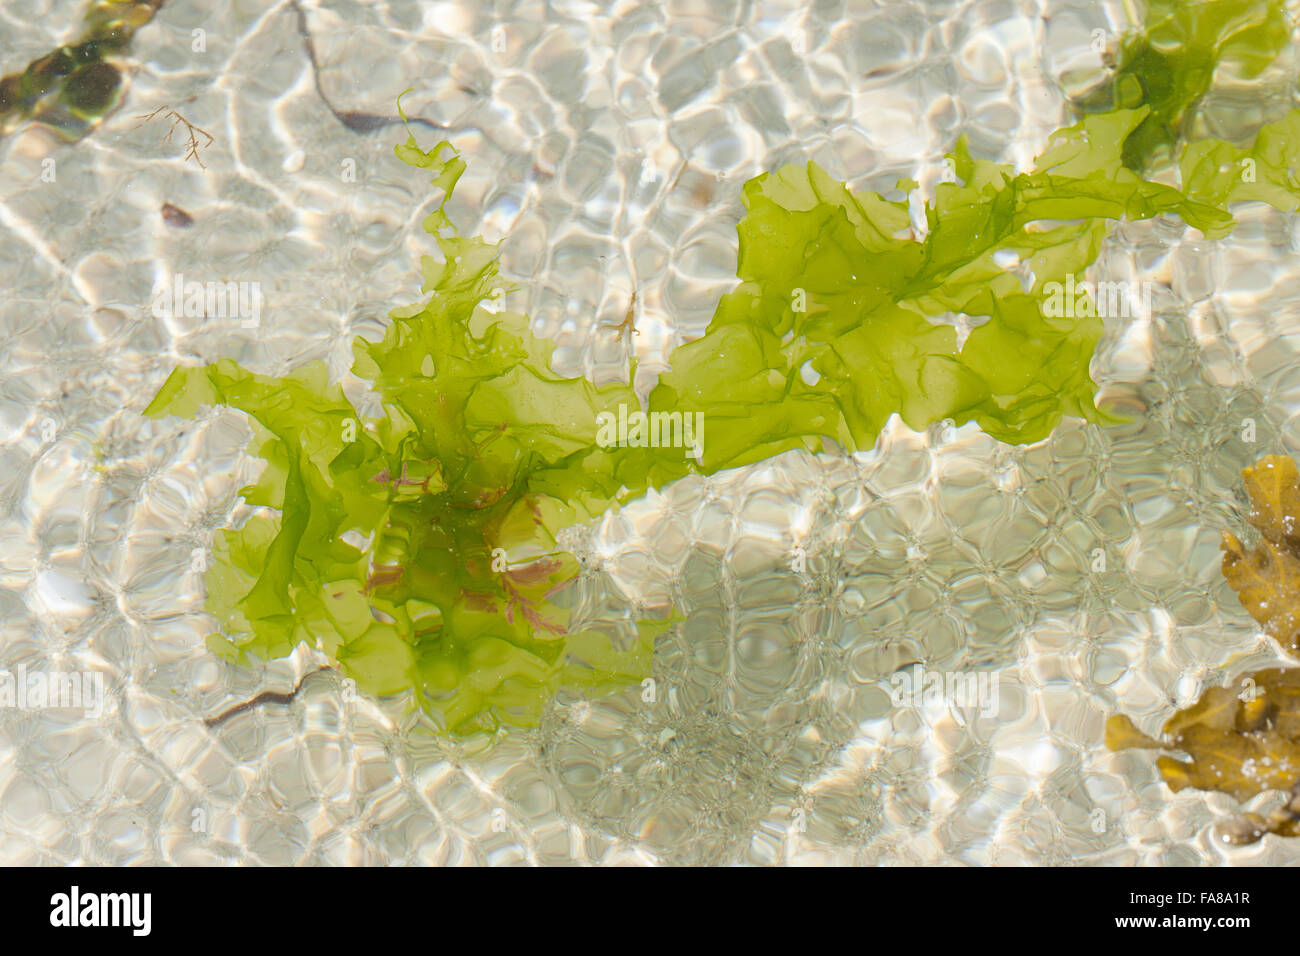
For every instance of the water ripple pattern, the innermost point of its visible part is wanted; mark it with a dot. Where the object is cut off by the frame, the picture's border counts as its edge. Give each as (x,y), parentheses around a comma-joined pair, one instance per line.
(607,144)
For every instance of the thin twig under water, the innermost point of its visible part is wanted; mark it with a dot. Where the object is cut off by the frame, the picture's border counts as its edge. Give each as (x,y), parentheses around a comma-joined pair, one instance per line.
(192,152)
(266,697)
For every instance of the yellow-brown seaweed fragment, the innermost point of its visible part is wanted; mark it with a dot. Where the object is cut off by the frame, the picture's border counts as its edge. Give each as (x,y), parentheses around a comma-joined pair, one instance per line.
(1244,739)
(1267,579)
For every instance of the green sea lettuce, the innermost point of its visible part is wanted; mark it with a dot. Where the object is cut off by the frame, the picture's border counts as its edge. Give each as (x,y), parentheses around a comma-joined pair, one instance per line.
(418,549)
(1220,173)
(838,321)
(1170,63)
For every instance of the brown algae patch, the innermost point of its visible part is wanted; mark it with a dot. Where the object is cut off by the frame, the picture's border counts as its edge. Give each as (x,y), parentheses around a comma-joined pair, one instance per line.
(1244,739)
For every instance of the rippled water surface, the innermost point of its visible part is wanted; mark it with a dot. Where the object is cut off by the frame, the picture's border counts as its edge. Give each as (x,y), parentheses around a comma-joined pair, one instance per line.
(607,145)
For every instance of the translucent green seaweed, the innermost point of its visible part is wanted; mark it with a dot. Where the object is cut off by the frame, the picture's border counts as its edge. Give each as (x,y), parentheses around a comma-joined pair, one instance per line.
(1170,63)
(870,298)
(453,592)
(1220,173)
(418,550)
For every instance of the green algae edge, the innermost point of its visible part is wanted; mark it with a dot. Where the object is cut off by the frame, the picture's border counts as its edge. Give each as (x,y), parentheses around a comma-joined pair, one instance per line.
(418,550)
(1169,64)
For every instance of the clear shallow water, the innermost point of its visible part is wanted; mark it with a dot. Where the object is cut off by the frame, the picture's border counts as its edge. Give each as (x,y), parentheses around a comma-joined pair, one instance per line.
(622,132)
